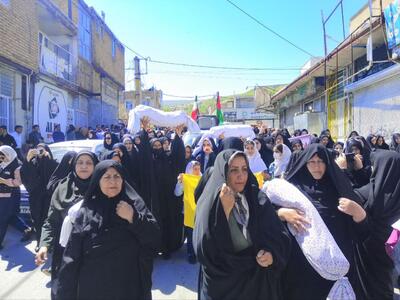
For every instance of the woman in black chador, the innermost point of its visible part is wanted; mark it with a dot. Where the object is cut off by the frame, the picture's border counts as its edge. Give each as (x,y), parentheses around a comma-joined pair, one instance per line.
(381,197)
(113,241)
(69,191)
(36,171)
(318,177)
(240,242)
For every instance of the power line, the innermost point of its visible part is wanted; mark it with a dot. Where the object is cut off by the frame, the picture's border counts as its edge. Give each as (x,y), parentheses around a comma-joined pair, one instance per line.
(148,59)
(269,29)
(188,97)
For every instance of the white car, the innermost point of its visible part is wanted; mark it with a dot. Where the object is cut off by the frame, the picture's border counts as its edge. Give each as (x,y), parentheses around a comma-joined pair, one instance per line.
(59,149)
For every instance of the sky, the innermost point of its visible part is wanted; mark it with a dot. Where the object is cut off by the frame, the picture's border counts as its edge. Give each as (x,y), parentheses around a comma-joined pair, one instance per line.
(213,32)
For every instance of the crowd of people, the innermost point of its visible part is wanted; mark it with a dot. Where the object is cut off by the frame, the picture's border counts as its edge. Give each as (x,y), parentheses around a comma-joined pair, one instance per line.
(105,218)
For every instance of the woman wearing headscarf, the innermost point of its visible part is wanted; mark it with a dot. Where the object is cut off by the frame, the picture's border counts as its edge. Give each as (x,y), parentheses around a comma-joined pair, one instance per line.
(9,182)
(92,135)
(371,140)
(297,145)
(230,143)
(126,162)
(188,154)
(282,156)
(395,144)
(113,242)
(134,157)
(381,201)
(267,154)
(108,142)
(36,171)
(317,176)
(356,162)
(327,133)
(206,157)
(164,168)
(256,163)
(69,191)
(380,143)
(281,138)
(62,170)
(240,243)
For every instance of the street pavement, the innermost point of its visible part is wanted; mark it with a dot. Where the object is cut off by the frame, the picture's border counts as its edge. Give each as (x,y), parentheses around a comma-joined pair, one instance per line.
(173,279)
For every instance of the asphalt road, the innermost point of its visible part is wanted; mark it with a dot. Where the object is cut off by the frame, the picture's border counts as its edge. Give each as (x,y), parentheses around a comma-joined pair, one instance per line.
(21,279)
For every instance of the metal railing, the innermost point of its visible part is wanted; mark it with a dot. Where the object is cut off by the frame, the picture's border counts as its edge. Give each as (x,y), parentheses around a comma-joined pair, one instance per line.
(55,60)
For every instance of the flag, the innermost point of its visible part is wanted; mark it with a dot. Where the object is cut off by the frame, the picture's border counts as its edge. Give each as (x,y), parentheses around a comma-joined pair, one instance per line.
(195,110)
(219,111)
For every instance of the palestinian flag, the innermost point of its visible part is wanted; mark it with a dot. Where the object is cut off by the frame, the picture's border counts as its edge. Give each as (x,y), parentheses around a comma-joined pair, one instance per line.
(220,115)
(195,110)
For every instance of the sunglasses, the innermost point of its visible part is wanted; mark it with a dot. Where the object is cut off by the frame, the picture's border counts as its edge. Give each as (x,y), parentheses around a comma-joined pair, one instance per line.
(108,138)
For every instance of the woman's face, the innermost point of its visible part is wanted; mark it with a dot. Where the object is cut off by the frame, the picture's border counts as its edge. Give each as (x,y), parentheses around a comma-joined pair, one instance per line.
(196,170)
(380,141)
(188,152)
(119,152)
(277,154)
(157,145)
(250,149)
(324,141)
(237,174)
(304,132)
(355,150)
(339,148)
(207,147)
(84,167)
(111,183)
(373,140)
(317,167)
(296,147)
(108,139)
(278,140)
(137,140)
(258,144)
(166,146)
(397,140)
(128,144)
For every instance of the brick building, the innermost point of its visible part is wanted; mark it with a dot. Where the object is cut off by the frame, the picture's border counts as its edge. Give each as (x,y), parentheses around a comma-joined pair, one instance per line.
(59,64)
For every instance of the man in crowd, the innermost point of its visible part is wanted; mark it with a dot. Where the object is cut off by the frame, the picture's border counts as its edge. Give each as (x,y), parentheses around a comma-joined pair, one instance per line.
(6,138)
(35,137)
(17,135)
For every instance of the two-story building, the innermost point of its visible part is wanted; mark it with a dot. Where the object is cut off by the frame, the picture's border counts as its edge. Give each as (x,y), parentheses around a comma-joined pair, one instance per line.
(64,64)
(335,92)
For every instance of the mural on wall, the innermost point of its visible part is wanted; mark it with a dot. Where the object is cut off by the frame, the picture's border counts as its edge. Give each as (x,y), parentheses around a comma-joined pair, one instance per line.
(50,109)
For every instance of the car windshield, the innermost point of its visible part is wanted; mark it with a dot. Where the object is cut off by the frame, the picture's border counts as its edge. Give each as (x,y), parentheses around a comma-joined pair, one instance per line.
(190,137)
(58,152)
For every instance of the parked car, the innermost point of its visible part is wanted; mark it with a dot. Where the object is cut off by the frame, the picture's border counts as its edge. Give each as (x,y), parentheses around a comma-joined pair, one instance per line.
(59,149)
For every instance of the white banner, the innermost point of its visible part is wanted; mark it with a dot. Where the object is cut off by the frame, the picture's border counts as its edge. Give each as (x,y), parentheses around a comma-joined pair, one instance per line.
(50,109)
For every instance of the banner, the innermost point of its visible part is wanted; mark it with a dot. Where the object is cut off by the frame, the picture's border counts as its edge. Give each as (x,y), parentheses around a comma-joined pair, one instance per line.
(50,109)
(392,12)
(305,139)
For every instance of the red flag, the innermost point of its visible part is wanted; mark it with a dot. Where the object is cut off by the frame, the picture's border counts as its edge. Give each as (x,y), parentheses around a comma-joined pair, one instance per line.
(195,110)
(219,111)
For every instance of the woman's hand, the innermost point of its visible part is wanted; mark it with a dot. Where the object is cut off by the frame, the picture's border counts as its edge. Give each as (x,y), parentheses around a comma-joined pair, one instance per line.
(353,209)
(125,211)
(180,178)
(295,218)
(264,258)
(227,197)
(31,154)
(145,123)
(341,162)
(358,162)
(41,256)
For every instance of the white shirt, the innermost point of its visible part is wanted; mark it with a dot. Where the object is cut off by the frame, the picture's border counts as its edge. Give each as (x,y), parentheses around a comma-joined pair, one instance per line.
(18,138)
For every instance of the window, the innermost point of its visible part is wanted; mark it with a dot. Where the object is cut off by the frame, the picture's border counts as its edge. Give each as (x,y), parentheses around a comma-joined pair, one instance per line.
(309,106)
(85,36)
(113,48)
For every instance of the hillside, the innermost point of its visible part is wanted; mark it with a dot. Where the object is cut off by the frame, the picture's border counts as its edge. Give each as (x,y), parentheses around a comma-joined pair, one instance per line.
(206,103)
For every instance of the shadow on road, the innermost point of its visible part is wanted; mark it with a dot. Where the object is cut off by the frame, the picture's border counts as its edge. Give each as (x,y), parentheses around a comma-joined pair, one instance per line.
(169,274)
(17,255)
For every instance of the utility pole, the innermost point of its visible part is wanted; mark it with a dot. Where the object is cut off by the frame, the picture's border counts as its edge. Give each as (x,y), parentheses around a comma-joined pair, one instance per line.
(138,84)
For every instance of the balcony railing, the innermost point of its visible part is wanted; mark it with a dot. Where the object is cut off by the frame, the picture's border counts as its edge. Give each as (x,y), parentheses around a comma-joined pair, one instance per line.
(55,60)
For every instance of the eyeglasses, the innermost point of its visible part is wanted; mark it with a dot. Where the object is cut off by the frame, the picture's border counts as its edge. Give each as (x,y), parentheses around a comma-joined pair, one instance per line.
(108,138)
(115,177)
(314,163)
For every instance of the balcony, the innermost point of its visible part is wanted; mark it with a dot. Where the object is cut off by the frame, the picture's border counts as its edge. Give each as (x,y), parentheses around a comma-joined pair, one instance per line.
(56,60)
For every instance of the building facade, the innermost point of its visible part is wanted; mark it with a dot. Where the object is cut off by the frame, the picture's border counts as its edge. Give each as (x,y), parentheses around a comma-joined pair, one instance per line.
(354,88)
(65,65)
(150,97)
